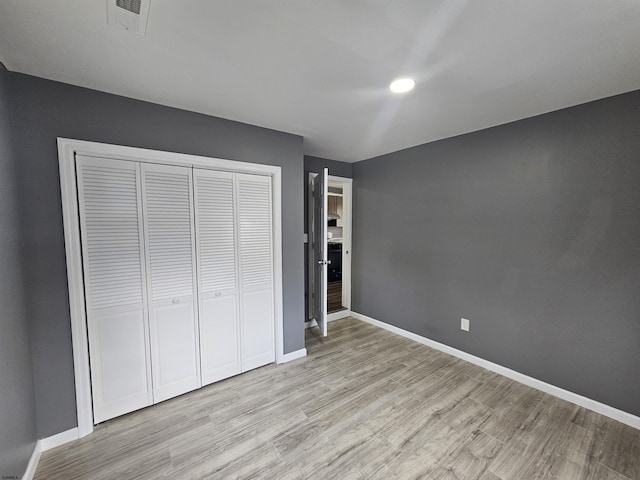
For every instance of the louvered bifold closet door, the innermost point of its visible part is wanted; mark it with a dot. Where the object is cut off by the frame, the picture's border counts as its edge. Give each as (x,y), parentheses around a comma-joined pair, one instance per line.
(217,275)
(169,233)
(256,270)
(109,198)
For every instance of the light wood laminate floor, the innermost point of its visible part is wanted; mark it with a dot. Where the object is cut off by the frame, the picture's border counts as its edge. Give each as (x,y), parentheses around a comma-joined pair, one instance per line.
(364,404)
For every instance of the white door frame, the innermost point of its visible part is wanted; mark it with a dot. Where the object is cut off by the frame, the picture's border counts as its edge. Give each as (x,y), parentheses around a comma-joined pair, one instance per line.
(67,149)
(347,237)
(347,233)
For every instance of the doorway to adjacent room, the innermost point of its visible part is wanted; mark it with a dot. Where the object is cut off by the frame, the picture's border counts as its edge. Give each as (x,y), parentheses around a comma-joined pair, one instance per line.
(330,234)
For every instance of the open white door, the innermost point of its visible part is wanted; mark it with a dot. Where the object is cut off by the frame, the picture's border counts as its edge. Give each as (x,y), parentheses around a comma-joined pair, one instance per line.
(319,249)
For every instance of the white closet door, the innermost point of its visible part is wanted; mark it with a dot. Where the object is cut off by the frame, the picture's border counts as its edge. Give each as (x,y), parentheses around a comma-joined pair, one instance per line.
(167,202)
(113,257)
(217,275)
(256,270)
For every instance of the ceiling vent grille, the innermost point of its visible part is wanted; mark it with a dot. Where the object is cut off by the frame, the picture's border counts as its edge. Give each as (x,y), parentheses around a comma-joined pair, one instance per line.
(132,6)
(131,15)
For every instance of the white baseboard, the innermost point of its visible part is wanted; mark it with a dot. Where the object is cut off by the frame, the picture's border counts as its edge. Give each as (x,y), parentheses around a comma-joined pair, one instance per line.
(59,439)
(291,356)
(601,408)
(45,444)
(33,462)
(332,317)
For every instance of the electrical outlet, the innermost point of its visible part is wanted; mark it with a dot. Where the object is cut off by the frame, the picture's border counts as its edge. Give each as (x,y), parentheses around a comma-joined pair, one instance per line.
(464,324)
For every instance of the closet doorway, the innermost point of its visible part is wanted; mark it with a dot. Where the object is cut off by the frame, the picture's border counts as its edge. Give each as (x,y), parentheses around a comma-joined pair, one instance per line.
(126,168)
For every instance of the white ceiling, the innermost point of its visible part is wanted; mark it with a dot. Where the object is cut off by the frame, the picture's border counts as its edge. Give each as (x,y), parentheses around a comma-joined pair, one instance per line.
(321,68)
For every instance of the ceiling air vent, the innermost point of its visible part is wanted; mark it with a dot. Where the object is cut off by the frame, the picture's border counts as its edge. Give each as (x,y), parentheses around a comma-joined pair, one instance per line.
(130,15)
(132,6)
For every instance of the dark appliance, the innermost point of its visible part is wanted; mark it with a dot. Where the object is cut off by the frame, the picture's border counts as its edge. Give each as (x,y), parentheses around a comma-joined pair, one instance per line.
(334,269)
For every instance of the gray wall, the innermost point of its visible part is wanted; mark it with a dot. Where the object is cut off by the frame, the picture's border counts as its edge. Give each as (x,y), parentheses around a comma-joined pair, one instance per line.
(315,165)
(531,230)
(45,110)
(17,407)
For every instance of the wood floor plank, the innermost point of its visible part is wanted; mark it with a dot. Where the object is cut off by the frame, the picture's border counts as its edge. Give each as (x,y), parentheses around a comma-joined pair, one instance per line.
(364,404)
(603,473)
(622,450)
(469,460)
(507,421)
(533,447)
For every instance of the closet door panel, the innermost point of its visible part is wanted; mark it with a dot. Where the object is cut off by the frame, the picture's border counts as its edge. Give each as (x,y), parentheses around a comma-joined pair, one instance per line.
(113,259)
(258,328)
(256,270)
(219,333)
(120,357)
(167,201)
(217,275)
(172,349)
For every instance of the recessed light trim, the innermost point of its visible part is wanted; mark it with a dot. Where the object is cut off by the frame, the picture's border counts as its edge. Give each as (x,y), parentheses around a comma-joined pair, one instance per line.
(402,85)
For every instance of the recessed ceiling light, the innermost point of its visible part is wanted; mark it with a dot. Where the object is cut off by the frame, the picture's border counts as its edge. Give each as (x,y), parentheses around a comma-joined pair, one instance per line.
(402,85)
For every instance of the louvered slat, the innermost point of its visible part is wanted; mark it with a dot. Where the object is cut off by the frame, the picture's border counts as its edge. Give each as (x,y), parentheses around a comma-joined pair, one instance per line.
(111,221)
(216,237)
(168,216)
(254,212)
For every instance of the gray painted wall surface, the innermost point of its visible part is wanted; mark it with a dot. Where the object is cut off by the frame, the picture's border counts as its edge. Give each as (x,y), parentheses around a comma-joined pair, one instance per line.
(315,165)
(17,406)
(531,230)
(45,110)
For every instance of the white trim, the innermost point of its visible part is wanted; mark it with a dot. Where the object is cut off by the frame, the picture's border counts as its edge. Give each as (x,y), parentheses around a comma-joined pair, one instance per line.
(45,444)
(30,472)
(601,408)
(67,149)
(347,232)
(276,189)
(333,178)
(59,439)
(75,281)
(92,149)
(291,356)
(332,317)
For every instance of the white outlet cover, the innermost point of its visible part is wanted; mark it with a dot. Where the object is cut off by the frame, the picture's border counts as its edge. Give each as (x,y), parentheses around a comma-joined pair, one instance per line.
(464,324)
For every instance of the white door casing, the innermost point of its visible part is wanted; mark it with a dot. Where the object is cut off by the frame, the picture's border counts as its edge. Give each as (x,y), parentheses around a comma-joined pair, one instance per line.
(68,149)
(347,204)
